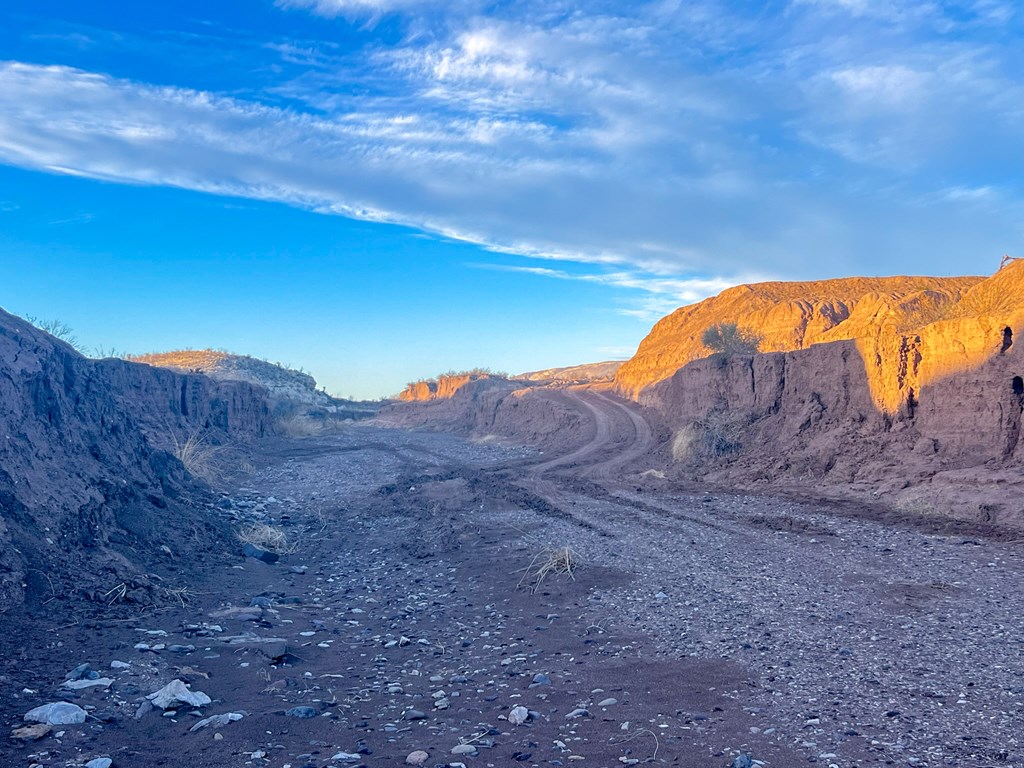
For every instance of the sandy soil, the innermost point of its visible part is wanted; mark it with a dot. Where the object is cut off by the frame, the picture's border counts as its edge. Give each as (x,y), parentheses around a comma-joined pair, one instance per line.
(409,618)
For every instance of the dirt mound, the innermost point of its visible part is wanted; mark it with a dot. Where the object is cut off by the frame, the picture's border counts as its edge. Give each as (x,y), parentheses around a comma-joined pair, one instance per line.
(792,316)
(448,385)
(88,499)
(587,373)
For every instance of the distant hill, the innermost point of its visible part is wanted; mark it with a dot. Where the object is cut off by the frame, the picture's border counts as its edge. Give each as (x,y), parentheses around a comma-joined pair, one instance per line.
(575,374)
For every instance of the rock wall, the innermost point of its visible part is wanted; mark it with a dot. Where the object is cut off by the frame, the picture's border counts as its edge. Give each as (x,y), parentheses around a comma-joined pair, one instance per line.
(444,387)
(86,500)
(790,316)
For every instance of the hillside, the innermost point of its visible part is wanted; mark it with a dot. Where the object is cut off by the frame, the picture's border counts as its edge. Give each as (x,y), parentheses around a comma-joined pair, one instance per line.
(575,374)
(792,316)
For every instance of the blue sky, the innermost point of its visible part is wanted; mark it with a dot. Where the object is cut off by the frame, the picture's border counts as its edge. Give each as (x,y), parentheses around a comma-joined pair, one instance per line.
(378,190)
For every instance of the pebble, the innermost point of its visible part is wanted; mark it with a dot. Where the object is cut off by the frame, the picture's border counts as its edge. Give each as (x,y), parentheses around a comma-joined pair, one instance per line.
(609,702)
(415,714)
(419,757)
(301,712)
(518,715)
(100,762)
(577,713)
(177,691)
(464,749)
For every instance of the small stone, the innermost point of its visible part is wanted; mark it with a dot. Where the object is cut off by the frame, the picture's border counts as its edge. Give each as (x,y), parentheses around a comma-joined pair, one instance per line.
(419,757)
(541,679)
(415,714)
(303,713)
(347,756)
(577,713)
(120,665)
(518,715)
(464,749)
(181,648)
(78,672)
(57,713)
(177,691)
(100,762)
(31,732)
(743,761)
(262,555)
(78,685)
(217,721)
(609,702)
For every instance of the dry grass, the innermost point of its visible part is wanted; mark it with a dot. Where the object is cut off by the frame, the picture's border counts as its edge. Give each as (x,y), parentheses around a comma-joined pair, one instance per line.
(267,537)
(299,425)
(197,455)
(552,561)
(683,442)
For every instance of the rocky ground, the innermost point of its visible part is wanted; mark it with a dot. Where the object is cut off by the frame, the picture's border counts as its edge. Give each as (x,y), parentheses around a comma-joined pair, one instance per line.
(411,623)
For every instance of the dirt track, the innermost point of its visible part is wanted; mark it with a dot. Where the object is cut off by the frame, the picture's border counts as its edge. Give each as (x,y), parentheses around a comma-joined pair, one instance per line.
(721,624)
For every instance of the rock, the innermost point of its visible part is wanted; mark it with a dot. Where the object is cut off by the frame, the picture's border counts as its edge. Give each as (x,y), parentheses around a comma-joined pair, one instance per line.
(57,713)
(78,672)
(262,555)
(577,713)
(541,679)
(347,756)
(144,709)
(518,715)
(78,685)
(181,648)
(415,714)
(609,702)
(31,732)
(419,757)
(177,691)
(743,761)
(303,713)
(120,665)
(217,721)
(464,749)
(100,762)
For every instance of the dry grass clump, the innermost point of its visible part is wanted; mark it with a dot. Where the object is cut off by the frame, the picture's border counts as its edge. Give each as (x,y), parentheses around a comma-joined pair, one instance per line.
(196,455)
(299,425)
(683,442)
(551,561)
(267,537)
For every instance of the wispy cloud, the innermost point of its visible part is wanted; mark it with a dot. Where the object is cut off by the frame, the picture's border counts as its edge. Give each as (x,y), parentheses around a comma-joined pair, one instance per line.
(657,139)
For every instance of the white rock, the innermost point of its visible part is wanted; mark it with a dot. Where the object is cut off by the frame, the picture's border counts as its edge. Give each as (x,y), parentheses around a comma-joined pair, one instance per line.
(217,721)
(100,762)
(57,713)
(177,691)
(346,756)
(518,715)
(78,685)
(419,757)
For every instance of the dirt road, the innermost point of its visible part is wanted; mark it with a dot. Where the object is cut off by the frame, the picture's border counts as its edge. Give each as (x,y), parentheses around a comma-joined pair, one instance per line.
(701,627)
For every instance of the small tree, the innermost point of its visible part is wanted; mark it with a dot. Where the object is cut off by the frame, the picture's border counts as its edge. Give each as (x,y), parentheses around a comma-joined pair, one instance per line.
(727,339)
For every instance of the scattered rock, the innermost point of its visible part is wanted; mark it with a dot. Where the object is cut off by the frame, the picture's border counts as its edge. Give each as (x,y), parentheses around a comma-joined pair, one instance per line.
(415,714)
(419,757)
(262,555)
(743,761)
(464,749)
(609,702)
(31,732)
(78,685)
(175,692)
(518,715)
(580,712)
(57,713)
(216,721)
(100,762)
(303,713)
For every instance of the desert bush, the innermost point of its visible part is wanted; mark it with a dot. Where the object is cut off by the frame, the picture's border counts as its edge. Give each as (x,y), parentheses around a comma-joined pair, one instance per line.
(299,425)
(709,438)
(59,330)
(548,562)
(728,339)
(267,537)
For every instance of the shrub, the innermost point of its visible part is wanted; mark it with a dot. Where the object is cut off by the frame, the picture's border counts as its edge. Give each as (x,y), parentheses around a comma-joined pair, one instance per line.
(727,339)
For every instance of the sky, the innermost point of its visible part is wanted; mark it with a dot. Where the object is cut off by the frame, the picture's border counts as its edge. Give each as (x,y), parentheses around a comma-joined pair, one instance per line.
(380,190)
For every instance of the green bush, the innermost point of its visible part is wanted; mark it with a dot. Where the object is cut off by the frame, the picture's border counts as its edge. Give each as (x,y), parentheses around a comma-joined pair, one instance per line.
(727,339)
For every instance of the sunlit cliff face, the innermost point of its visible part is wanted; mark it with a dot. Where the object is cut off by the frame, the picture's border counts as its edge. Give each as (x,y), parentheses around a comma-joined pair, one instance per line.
(911,332)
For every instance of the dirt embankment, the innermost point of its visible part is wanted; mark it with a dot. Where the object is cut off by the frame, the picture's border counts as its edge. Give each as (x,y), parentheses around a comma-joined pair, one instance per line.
(88,497)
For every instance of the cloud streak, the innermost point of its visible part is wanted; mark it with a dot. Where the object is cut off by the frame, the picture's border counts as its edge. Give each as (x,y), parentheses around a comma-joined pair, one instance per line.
(659,139)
